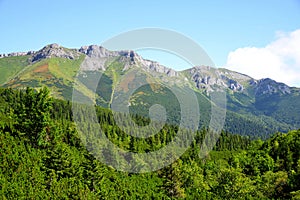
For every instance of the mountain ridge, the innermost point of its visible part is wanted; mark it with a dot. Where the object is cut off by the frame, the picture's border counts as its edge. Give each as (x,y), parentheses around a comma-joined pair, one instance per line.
(96,51)
(270,105)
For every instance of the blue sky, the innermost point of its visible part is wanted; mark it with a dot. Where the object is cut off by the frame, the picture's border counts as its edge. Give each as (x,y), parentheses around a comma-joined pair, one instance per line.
(222,28)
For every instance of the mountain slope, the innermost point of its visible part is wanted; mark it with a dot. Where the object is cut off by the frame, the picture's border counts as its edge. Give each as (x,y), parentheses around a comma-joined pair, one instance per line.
(254,107)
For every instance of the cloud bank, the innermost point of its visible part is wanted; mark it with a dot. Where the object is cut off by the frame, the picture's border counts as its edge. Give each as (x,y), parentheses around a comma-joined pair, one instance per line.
(279,60)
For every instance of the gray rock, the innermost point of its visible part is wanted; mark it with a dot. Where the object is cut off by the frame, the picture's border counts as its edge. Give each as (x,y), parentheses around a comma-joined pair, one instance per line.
(16,54)
(269,86)
(131,59)
(95,51)
(54,50)
(211,79)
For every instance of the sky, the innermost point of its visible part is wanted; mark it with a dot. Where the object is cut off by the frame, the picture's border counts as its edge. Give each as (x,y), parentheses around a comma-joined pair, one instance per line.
(258,38)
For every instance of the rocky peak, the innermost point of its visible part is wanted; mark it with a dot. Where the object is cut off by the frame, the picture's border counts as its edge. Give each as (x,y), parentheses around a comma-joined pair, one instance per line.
(234,85)
(54,50)
(156,67)
(209,78)
(95,51)
(131,58)
(206,77)
(269,86)
(98,55)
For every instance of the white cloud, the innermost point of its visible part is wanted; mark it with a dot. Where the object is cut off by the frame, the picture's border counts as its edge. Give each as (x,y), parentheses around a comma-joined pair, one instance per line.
(279,60)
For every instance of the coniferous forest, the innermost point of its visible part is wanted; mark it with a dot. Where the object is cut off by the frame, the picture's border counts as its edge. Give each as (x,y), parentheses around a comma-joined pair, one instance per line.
(42,156)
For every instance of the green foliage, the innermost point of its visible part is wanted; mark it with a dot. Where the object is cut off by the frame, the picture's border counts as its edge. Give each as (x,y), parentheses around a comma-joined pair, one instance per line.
(56,73)
(11,66)
(283,108)
(247,113)
(31,112)
(43,156)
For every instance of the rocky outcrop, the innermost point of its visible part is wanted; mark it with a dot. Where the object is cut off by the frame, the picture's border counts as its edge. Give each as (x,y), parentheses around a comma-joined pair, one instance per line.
(205,78)
(210,79)
(95,51)
(98,55)
(234,85)
(269,86)
(17,54)
(131,58)
(54,50)
(156,67)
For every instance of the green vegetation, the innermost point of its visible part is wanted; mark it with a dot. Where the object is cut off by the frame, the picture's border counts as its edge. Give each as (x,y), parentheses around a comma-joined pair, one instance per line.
(42,156)
(11,66)
(283,108)
(56,73)
(247,113)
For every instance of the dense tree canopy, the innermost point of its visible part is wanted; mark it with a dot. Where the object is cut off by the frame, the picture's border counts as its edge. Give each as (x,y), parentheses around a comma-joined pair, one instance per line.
(42,155)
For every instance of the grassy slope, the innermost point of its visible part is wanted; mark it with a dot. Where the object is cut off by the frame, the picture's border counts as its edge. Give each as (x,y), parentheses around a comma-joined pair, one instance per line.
(11,66)
(66,70)
(56,73)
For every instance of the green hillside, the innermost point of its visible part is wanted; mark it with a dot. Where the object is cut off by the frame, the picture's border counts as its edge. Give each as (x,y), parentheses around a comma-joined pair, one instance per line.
(252,108)
(56,73)
(43,156)
(10,67)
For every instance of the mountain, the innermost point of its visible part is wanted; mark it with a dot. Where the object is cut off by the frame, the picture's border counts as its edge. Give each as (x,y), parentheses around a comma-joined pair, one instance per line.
(254,107)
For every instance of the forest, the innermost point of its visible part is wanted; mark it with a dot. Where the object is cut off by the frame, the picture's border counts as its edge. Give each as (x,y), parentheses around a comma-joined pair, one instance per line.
(43,156)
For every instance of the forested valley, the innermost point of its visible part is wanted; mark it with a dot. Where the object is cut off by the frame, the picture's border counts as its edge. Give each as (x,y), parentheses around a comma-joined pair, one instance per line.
(42,156)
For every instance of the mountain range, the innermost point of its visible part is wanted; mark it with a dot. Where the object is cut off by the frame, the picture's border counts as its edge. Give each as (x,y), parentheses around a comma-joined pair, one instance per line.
(254,107)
